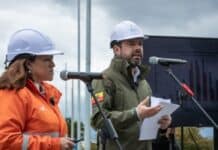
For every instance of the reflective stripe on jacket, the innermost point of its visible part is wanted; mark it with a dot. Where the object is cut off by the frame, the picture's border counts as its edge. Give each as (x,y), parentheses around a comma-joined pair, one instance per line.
(26,137)
(29,120)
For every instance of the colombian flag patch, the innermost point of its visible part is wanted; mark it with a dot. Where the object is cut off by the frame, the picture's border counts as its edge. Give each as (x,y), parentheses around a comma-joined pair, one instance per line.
(99,96)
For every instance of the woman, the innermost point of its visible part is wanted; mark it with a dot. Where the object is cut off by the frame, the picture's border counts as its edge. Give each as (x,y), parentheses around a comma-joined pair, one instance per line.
(29,113)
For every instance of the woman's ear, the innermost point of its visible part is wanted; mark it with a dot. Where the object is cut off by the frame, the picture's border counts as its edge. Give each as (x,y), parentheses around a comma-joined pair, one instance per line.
(28,65)
(16,71)
(28,62)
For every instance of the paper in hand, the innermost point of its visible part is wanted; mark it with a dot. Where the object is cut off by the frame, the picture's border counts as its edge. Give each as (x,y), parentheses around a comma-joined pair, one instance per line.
(150,126)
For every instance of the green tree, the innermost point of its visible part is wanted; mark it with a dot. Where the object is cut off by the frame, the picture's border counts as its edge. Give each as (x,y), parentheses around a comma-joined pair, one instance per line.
(193,139)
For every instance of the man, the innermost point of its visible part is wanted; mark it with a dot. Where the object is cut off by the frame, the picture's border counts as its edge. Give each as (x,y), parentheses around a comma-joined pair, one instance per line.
(124,93)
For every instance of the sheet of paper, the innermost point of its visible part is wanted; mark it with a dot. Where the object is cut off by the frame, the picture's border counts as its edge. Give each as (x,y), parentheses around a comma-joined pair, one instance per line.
(150,126)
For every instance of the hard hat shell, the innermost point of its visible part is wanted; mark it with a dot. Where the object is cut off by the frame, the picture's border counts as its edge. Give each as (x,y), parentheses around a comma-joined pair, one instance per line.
(30,41)
(126,30)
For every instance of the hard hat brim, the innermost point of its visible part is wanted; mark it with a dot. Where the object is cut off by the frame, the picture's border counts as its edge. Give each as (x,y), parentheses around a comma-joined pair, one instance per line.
(49,52)
(10,57)
(132,37)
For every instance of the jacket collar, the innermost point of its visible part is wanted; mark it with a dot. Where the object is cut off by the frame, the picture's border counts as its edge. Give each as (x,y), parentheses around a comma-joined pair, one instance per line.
(32,87)
(50,91)
(121,65)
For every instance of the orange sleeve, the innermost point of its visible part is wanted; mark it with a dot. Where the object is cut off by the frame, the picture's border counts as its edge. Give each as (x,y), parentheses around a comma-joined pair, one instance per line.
(13,111)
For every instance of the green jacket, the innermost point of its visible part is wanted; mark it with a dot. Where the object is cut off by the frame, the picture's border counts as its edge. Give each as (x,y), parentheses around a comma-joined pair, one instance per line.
(118,97)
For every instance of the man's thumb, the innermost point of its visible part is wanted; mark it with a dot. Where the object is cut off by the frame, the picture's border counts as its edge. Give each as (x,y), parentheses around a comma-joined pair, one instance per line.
(145,101)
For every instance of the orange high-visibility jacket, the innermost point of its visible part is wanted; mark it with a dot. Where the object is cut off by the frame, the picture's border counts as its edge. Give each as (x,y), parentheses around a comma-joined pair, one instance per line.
(30,120)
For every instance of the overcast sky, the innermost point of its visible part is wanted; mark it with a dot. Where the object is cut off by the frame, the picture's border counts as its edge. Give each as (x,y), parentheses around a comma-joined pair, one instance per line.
(57,19)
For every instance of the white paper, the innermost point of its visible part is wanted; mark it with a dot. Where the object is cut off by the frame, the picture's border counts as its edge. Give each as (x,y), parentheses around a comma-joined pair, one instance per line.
(150,126)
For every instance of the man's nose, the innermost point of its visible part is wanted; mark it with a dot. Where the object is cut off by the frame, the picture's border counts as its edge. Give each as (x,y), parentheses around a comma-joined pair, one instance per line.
(138,48)
(52,64)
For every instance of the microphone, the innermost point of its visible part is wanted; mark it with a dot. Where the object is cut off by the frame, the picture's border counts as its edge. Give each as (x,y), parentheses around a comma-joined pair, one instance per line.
(85,76)
(166,61)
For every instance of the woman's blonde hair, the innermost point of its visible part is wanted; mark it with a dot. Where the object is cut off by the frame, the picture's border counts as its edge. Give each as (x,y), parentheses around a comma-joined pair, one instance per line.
(15,75)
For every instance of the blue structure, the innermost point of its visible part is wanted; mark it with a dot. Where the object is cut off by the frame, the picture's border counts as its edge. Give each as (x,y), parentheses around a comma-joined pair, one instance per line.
(200,73)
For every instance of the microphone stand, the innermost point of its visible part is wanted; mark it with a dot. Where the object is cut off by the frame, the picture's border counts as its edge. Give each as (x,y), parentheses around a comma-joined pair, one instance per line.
(182,95)
(111,132)
(191,94)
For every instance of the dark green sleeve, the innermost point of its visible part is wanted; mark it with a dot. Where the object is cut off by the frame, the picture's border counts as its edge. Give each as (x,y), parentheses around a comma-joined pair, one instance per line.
(118,118)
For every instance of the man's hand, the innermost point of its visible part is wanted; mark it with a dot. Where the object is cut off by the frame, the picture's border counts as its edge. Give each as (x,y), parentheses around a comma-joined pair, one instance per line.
(165,121)
(144,111)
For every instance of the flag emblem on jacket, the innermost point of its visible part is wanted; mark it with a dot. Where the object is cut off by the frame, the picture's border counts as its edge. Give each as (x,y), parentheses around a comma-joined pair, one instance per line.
(99,96)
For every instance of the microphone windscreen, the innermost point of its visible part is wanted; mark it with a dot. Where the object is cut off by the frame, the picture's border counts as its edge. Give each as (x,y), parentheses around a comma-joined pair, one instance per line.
(63,75)
(153,60)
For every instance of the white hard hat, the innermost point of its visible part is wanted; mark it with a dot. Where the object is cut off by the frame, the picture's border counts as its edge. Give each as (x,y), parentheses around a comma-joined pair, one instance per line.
(126,30)
(30,41)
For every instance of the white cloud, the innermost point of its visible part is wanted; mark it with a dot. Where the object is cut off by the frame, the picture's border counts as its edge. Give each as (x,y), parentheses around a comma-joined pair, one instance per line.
(102,26)
(204,26)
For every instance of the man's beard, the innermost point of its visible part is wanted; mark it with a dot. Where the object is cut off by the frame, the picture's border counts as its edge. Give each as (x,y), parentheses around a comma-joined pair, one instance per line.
(134,62)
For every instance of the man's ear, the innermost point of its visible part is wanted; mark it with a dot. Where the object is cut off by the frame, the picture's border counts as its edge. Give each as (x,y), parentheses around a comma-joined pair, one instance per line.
(116,50)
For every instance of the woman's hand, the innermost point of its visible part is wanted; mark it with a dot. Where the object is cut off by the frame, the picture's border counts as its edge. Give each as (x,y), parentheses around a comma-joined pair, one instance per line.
(67,143)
